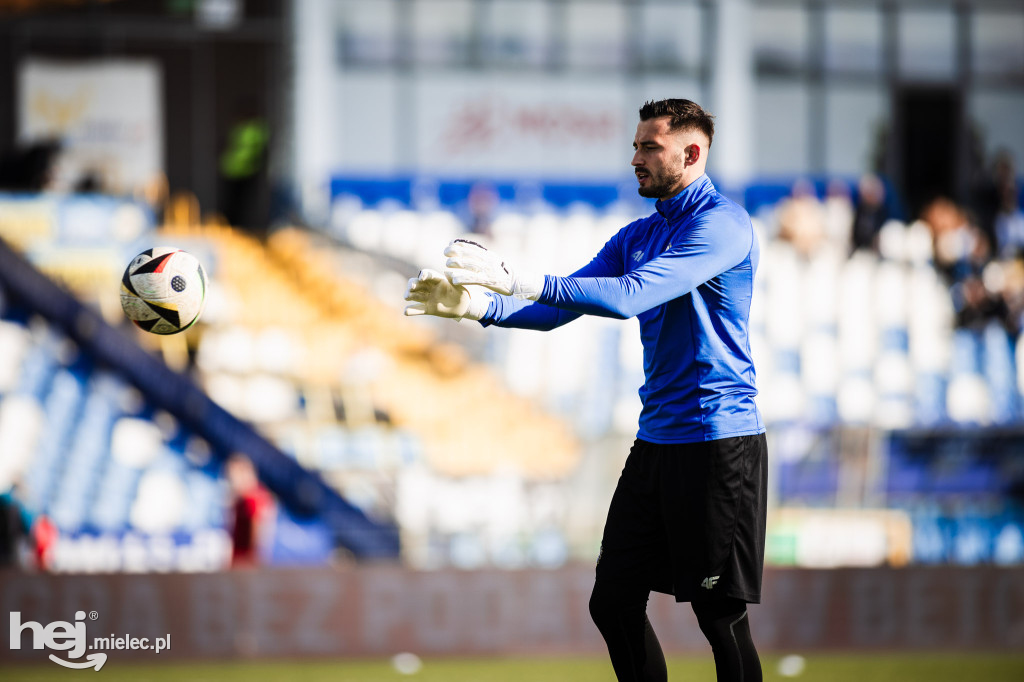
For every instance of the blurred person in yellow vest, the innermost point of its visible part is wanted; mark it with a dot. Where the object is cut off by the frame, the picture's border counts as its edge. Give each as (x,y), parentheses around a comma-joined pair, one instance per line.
(242,166)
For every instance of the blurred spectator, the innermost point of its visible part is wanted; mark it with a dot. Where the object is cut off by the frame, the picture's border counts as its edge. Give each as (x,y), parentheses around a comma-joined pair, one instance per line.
(871,212)
(91,182)
(1009,220)
(961,249)
(802,219)
(975,304)
(981,344)
(1009,276)
(44,541)
(1010,234)
(15,523)
(988,194)
(242,166)
(250,509)
(838,213)
(482,201)
(29,168)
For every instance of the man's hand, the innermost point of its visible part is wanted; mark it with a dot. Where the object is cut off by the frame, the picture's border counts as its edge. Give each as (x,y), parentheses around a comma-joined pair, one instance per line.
(470,263)
(432,294)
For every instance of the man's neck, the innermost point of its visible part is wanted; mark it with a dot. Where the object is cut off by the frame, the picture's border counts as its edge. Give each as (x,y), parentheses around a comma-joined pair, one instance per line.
(684,183)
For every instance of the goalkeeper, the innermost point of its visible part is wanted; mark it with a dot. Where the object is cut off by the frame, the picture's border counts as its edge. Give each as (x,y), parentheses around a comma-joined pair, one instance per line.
(688,514)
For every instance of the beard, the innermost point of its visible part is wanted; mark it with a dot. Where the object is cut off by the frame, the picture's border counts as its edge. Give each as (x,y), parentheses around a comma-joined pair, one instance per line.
(661,186)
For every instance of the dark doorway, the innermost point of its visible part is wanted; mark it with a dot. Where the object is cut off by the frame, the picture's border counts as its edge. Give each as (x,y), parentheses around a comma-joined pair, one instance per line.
(929,141)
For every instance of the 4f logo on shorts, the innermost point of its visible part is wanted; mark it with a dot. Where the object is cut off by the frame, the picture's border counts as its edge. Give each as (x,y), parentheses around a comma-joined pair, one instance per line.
(709,582)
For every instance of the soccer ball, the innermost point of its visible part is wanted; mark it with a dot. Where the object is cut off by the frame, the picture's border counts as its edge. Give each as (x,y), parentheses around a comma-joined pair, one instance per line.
(163,290)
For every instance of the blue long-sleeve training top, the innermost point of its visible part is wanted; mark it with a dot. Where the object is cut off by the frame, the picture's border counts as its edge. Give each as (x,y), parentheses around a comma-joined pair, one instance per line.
(687,274)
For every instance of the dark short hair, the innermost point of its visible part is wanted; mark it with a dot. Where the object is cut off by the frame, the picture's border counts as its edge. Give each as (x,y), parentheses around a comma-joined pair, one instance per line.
(683,114)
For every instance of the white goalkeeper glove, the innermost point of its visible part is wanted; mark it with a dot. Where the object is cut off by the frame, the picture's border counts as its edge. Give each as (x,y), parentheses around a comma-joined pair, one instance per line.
(470,263)
(432,294)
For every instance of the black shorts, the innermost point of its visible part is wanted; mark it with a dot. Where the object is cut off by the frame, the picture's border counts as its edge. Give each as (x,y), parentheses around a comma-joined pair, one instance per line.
(689,519)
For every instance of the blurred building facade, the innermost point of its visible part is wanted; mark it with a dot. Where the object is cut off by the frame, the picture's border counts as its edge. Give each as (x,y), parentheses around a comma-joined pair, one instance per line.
(548,90)
(530,89)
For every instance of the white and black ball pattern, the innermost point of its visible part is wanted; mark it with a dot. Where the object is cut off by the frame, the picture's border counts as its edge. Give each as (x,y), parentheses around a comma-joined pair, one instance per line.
(163,290)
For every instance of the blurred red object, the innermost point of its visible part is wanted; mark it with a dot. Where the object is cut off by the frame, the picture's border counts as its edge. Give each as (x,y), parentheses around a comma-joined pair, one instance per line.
(250,508)
(44,539)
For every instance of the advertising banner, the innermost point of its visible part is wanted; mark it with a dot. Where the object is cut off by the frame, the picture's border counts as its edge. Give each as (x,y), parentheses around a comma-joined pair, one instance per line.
(381,610)
(107,116)
(521,126)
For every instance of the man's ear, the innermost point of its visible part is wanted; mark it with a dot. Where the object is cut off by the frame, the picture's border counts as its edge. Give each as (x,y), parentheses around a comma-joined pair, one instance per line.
(691,154)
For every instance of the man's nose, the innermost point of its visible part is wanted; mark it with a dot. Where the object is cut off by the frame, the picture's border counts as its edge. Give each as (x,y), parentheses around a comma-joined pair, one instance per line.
(637,161)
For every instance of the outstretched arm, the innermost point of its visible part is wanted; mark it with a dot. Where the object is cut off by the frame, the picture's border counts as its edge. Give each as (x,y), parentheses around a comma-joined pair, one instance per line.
(518,311)
(709,248)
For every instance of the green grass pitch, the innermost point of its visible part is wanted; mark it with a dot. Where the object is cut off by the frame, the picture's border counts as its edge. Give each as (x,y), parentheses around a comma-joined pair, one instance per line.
(882,667)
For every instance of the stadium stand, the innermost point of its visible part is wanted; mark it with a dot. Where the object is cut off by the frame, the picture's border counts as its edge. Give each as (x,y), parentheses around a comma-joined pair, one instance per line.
(83,376)
(855,347)
(347,388)
(859,354)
